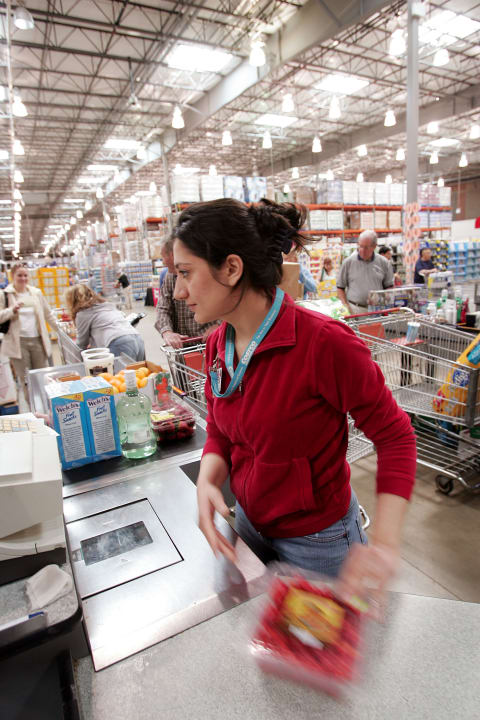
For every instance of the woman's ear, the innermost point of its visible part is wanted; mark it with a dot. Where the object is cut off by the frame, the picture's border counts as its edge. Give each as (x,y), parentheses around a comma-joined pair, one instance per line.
(232,270)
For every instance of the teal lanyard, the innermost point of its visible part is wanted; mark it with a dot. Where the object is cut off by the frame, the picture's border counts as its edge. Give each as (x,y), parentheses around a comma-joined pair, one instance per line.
(237,376)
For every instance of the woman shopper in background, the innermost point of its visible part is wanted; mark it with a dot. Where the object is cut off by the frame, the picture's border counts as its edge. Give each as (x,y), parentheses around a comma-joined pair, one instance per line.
(281,381)
(100,324)
(27,342)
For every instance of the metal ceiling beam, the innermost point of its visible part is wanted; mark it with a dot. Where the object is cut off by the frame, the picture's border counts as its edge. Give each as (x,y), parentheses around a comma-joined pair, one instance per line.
(314,23)
(459,104)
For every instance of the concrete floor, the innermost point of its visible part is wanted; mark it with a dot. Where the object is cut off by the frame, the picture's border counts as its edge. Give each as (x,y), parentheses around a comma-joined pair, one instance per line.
(441,544)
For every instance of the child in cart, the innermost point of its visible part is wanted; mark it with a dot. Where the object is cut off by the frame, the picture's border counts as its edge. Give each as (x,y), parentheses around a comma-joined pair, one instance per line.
(280,383)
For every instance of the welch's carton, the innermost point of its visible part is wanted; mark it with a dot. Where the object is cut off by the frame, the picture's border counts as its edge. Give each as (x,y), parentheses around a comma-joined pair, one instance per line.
(83,413)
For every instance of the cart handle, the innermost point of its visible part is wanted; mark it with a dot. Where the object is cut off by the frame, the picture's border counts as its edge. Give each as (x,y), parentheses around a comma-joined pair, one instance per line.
(381,312)
(195,340)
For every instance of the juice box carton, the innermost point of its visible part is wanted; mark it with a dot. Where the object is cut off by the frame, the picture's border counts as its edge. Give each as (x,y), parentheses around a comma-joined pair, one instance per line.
(84,416)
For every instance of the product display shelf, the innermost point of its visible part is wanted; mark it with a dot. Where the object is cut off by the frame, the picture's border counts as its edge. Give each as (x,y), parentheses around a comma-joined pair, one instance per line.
(53,281)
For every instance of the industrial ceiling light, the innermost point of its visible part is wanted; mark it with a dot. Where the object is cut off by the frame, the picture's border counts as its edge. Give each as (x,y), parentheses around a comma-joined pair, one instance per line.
(18,108)
(177,118)
(79,214)
(99,194)
(17,195)
(132,100)
(73,220)
(397,44)
(334,111)
(440,182)
(257,56)
(432,127)
(288,105)
(362,150)
(390,119)
(463,162)
(400,156)
(67,227)
(286,188)
(3,154)
(141,152)
(226,137)
(434,158)
(295,173)
(359,177)
(329,175)
(3,93)
(388,179)
(267,140)
(474,132)
(212,171)
(316,145)
(18,177)
(22,19)
(18,148)
(88,205)
(153,187)
(441,57)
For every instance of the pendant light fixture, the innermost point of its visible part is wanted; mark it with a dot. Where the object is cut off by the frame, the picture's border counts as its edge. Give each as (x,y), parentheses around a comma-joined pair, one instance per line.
(463,162)
(79,214)
(316,145)
(141,152)
(441,57)
(99,194)
(18,108)
(18,177)
(295,173)
(359,177)
(177,118)
(286,188)
(397,45)
(440,182)
(267,140)
(153,187)
(22,18)
(4,155)
(212,171)
(432,127)
(329,175)
(434,158)
(390,119)
(362,150)
(388,179)
(334,111)
(400,156)
(88,205)
(474,132)
(18,148)
(17,195)
(288,106)
(73,220)
(226,137)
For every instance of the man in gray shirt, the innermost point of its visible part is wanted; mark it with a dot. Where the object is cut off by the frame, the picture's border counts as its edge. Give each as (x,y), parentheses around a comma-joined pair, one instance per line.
(361,272)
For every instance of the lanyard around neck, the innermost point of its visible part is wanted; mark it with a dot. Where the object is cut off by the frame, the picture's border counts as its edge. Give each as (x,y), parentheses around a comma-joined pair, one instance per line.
(237,375)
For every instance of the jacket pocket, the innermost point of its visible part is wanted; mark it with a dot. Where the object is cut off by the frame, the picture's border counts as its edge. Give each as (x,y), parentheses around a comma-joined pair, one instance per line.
(274,490)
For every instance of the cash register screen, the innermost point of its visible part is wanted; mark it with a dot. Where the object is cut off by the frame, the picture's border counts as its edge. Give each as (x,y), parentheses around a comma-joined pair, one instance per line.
(115,542)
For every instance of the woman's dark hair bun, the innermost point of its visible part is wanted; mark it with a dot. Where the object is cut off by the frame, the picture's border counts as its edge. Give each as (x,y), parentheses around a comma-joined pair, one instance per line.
(279,225)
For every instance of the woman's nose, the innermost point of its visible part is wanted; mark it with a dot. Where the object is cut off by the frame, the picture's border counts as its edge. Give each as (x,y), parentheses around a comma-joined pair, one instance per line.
(180,290)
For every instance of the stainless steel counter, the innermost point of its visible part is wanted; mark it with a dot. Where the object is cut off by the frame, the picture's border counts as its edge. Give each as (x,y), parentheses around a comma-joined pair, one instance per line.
(424,663)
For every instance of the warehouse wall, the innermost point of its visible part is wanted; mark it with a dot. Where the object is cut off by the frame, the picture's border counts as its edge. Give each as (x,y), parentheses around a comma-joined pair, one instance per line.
(468,200)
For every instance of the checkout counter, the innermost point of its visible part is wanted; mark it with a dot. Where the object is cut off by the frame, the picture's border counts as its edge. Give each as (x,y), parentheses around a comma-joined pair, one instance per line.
(168,625)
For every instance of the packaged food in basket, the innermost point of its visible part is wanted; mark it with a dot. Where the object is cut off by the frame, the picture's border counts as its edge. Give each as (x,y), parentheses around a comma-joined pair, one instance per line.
(452,397)
(309,634)
(172,419)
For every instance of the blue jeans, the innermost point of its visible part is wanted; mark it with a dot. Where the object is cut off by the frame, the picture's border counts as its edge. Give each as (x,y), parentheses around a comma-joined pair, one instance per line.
(132,345)
(323,551)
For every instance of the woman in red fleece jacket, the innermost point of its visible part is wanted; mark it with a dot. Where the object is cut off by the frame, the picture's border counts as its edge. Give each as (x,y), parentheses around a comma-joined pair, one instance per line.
(280,384)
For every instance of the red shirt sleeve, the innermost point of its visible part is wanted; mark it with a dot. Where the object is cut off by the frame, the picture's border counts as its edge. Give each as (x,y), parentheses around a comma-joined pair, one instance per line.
(353,383)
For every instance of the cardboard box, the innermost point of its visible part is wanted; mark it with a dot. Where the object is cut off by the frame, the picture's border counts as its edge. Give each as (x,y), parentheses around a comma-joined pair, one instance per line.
(84,416)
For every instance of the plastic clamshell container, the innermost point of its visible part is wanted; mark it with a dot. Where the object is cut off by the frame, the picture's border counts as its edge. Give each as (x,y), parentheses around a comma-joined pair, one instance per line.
(172,419)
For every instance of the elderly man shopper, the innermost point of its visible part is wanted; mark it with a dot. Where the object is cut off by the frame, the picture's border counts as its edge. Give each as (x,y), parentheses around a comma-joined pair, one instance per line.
(175,321)
(361,272)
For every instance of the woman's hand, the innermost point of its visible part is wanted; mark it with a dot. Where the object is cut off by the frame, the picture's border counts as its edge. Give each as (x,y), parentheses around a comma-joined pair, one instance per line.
(366,573)
(16,307)
(210,499)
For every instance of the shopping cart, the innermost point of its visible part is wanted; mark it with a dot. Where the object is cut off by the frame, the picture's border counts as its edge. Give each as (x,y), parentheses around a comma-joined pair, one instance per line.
(441,395)
(188,371)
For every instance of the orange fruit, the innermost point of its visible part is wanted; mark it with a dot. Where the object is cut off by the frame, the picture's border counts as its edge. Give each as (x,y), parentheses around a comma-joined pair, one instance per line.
(122,387)
(106,375)
(115,389)
(142,382)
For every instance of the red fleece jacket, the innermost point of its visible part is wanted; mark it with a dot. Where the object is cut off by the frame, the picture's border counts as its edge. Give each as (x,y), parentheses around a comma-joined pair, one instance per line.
(284,435)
